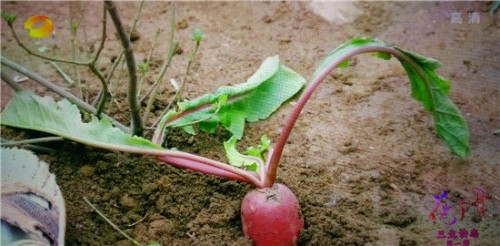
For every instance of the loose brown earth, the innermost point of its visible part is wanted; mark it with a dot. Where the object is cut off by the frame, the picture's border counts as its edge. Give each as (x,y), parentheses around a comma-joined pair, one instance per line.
(363,159)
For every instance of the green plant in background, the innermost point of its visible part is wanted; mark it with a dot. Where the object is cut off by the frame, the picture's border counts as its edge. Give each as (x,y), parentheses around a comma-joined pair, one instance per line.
(9,18)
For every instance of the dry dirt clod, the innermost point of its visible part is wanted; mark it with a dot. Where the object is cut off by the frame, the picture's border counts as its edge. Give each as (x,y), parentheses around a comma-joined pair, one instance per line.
(182,24)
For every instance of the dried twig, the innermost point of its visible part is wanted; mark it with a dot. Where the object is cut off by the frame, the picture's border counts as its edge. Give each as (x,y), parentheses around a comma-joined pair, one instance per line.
(110,222)
(166,64)
(24,47)
(110,76)
(129,56)
(61,72)
(197,36)
(76,73)
(31,141)
(10,81)
(148,61)
(84,28)
(119,58)
(31,147)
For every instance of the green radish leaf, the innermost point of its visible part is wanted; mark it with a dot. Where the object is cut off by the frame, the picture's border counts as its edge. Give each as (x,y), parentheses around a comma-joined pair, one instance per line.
(253,154)
(261,149)
(30,111)
(237,159)
(426,86)
(232,106)
(337,54)
(432,91)
(189,129)
(344,64)
(382,55)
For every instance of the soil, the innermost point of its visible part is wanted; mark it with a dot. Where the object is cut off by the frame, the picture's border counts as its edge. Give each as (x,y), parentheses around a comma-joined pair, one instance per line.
(363,159)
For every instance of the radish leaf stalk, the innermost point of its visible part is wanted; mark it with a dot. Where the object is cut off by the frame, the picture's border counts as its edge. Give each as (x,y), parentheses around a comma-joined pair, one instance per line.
(427,87)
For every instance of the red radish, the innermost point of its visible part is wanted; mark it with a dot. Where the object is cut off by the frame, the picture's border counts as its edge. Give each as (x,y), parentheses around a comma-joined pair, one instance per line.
(270,216)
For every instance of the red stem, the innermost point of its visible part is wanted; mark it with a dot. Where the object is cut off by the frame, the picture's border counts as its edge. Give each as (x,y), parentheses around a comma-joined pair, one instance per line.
(273,161)
(204,168)
(209,166)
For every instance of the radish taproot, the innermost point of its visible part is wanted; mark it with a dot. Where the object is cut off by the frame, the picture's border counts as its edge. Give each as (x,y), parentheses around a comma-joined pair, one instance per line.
(271,216)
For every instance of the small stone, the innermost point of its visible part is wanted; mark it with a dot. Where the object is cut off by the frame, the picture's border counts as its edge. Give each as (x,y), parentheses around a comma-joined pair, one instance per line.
(398,216)
(161,227)
(134,36)
(87,170)
(476,218)
(106,197)
(267,19)
(128,201)
(183,24)
(102,166)
(149,187)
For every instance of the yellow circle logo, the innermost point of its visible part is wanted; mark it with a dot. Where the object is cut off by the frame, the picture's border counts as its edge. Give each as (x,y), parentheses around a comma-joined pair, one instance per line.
(39,26)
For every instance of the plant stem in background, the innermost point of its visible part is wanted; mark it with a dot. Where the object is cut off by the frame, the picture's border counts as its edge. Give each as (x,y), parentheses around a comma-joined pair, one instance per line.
(102,101)
(90,64)
(13,84)
(32,141)
(148,61)
(110,76)
(31,147)
(137,15)
(119,58)
(65,76)
(93,68)
(74,28)
(111,223)
(18,41)
(90,47)
(197,36)
(129,56)
(83,24)
(166,63)
(72,98)
(115,84)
